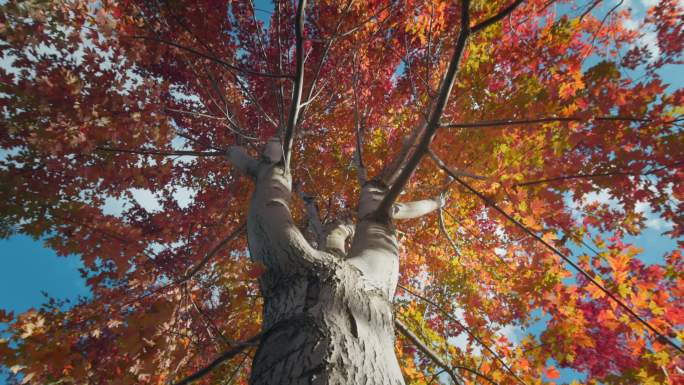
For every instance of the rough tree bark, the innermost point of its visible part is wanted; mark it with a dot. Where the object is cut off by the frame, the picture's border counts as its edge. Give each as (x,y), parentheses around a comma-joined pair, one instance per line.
(327,316)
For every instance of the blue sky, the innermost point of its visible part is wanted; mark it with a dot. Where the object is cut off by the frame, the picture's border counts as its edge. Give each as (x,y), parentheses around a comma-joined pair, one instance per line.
(29,268)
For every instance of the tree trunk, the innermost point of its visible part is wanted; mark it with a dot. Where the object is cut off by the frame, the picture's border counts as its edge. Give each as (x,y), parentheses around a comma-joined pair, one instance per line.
(328,327)
(325,319)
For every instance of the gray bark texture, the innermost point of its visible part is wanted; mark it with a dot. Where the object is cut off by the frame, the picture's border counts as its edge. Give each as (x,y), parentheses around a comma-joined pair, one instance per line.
(327,316)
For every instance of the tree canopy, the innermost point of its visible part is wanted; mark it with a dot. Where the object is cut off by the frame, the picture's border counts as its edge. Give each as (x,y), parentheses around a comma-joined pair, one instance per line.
(515,113)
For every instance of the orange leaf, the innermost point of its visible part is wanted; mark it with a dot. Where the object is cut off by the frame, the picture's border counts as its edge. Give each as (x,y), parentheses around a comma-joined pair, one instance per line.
(551,372)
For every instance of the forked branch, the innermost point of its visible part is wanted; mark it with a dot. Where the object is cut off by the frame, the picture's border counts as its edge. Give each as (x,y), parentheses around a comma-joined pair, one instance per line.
(425,138)
(422,138)
(499,16)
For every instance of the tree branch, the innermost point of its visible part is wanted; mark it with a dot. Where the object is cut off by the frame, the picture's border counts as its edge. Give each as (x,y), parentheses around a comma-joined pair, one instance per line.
(589,9)
(326,50)
(432,125)
(437,360)
(252,341)
(361,173)
(163,153)
(231,237)
(241,160)
(599,175)
(415,209)
(499,16)
(442,227)
(470,333)
(512,122)
(295,106)
(554,250)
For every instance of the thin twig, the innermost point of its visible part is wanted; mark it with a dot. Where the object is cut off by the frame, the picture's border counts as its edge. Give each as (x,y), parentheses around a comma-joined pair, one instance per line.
(231,237)
(163,153)
(428,132)
(437,360)
(462,326)
(600,175)
(512,122)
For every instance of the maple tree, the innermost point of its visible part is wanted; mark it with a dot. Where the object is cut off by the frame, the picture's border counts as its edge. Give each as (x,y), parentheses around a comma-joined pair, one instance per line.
(353,165)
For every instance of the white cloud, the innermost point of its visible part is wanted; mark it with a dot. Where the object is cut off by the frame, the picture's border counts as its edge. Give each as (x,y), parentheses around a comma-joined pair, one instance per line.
(114,206)
(648,37)
(144,197)
(184,196)
(653,220)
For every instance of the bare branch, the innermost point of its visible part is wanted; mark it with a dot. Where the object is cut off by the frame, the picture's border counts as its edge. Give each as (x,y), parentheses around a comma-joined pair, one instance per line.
(477,373)
(499,16)
(163,153)
(252,341)
(360,129)
(428,132)
(470,333)
(262,46)
(194,113)
(366,20)
(589,9)
(225,241)
(662,337)
(437,360)
(211,325)
(326,51)
(232,126)
(298,85)
(603,21)
(512,122)
(442,227)
(599,175)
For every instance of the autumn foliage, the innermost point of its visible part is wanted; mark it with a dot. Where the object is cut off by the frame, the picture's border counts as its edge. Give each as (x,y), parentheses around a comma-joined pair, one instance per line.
(553,104)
